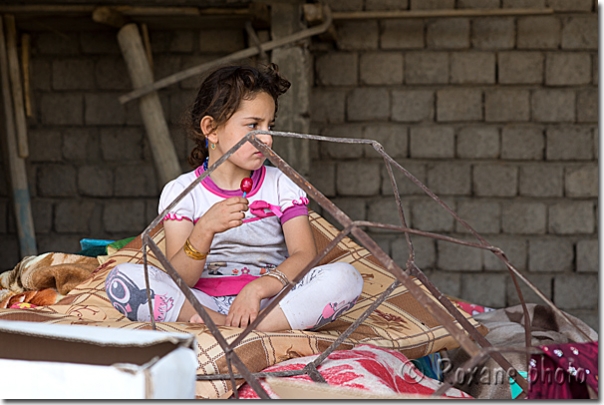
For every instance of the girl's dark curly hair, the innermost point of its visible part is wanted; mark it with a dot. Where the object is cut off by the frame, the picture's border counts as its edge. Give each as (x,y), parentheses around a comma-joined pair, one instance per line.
(220,95)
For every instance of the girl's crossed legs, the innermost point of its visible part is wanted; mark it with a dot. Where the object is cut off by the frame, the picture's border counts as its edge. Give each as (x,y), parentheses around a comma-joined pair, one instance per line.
(321,296)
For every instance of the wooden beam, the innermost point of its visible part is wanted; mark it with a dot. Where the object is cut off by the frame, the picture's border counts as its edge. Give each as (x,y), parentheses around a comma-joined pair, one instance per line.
(164,154)
(16,165)
(25,58)
(15,81)
(108,16)
(357,15)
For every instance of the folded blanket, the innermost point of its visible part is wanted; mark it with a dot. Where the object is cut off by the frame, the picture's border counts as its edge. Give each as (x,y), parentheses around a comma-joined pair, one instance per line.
(52,272)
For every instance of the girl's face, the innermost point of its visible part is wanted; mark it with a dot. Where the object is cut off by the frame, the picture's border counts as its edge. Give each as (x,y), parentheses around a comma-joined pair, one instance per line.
(257,113)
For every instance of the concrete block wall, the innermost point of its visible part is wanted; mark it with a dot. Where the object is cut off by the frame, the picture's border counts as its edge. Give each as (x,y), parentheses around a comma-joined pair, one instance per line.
(497,115)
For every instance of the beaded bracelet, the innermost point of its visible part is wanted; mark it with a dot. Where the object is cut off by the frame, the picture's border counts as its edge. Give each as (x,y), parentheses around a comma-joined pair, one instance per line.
(276,273)
(192,252)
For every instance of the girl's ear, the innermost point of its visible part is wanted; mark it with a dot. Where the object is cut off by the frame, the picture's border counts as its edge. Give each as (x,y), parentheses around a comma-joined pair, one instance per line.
(208,129)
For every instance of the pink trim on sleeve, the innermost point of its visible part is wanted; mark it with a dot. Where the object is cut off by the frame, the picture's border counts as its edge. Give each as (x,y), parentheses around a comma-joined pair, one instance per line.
(292,212)
(170,216)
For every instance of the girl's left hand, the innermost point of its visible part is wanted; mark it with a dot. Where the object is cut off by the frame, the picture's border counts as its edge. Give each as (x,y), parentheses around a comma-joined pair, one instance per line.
(245,308)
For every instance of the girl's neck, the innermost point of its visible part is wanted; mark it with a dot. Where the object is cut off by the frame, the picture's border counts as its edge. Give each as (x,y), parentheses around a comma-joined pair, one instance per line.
(228,176)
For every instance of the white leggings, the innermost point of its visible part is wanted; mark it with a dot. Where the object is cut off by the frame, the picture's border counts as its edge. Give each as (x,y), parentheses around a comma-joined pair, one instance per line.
(320,297)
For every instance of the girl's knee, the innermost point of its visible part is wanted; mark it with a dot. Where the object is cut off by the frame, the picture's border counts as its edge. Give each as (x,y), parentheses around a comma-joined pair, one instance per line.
(348,277)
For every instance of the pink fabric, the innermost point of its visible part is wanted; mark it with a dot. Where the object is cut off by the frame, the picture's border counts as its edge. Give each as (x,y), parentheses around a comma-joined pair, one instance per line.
(365,367)
(220,286)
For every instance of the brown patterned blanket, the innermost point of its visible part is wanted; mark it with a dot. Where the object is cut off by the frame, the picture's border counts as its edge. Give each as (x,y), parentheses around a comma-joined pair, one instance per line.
(399,323)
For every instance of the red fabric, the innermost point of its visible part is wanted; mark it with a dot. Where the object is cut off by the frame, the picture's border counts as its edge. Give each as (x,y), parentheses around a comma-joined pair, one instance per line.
(365,367)
(564,371)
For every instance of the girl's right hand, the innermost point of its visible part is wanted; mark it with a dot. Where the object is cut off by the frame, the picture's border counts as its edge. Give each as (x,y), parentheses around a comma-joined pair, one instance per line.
(224,215)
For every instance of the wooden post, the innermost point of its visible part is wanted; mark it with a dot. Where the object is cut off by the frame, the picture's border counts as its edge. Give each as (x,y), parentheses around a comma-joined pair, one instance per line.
(16,165)
(25,57)
(15,80)
(162,147)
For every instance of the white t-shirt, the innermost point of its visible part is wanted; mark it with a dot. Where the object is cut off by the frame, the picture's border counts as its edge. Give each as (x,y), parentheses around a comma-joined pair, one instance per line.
(243,253)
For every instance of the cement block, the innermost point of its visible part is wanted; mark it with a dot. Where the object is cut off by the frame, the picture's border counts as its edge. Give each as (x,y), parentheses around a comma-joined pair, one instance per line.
(151,209)
(181,63)
(385,211)
(580,32)
(542,282)
(62,109)
(427,215)
(81,144)
(448,33)
(595,69)
(386,4)
(323,177)
(124,216)
(182,41)
(368,104)
(345,5)
(41,74)
(587,256)
(73,216)
(136,181)
(450,178)
(483,216)
(567,69)
(569,143)
(587,105)
(488,4)
(575,217)
(472,68)
(459,104)
(452,256)
(432,142)
(327,105)
(484,289)
(95,181)
(222,41)
(181,104)
(42,212)
(522,143)
(355,208)
(412,105)
(342,150)
(130,141)
(403,183)
(9,250)
(402,34)
(541,181)
(493,33)
(550,255)
(99,42)
(576,291)
(55,43)
(44,145)
(358,178)
(447,282)
(432,4)
(581,181)
(524,218)
(514,248)
(337,69)
(59,243)
(495,180)
(103,109)
(73,74)
(589,316)
(377,68)
(424,248)
(358,35)
(507,105)
(520,67)
(523,4)
(426,68)
(56,180)
(577,5)
(538,32)
(110,73)
(553,105)
(393,137)
(478,142)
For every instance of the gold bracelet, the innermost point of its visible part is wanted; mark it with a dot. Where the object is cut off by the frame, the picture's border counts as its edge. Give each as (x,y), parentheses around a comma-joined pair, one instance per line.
(192,252)
(277,277)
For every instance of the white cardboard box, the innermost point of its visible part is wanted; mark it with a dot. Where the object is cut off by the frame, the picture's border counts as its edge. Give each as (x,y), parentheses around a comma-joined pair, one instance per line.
(44,361)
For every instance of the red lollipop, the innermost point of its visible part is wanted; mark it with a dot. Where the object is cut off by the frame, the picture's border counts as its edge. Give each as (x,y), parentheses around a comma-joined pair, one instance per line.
(246,185)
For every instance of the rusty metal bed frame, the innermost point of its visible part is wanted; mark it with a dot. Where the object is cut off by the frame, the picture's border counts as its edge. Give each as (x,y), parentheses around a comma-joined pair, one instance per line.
(474,343)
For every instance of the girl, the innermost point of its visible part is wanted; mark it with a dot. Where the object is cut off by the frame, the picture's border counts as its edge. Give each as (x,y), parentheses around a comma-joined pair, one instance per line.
(237,252)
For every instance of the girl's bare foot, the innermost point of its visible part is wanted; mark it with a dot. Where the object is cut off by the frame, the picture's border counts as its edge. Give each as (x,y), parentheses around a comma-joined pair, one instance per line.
(218,319)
